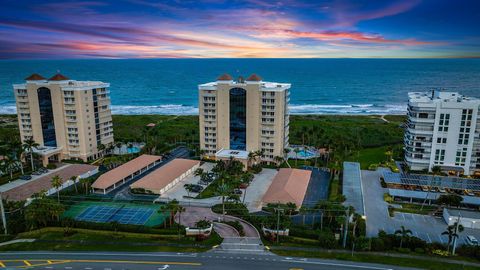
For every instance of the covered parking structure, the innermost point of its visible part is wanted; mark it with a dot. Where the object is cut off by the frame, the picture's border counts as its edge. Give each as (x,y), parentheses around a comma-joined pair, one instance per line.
(399,180)
(125,173)
(419,196)
(352,187)
(167,176)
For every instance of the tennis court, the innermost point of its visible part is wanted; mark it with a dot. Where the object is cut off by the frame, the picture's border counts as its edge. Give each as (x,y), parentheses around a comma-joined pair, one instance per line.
(124,213)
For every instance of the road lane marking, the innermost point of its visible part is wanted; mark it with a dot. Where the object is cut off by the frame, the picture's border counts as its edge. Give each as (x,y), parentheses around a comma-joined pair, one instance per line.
(339,264)
(137,262)
(27,263)
(2,264)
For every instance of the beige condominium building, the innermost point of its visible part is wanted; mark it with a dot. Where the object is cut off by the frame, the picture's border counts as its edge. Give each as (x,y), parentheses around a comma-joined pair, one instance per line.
(242,116)
(69,119)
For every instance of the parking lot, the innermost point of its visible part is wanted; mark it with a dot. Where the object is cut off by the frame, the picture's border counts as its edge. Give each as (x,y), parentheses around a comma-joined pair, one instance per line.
(178,191)
(426,227)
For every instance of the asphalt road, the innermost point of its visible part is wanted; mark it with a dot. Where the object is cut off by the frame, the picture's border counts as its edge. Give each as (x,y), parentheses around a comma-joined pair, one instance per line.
(157,261)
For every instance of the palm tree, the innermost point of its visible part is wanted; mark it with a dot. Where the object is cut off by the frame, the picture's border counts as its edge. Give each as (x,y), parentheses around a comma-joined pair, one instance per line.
(101,148)
(180,209)
(223,191)
(278,160)
(74,180)
(436,170)
(28,146)
(296,150)
(57,183)
(85,183)
(452,233)
(404,233)
(198,171)
(18,151)
(9,164)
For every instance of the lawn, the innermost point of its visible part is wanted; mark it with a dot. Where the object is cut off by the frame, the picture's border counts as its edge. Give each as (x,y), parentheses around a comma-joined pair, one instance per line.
(427,263)
(54,238)
(415,208)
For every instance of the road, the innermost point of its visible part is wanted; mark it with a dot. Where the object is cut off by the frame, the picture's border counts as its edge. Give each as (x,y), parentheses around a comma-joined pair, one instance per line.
(157,261)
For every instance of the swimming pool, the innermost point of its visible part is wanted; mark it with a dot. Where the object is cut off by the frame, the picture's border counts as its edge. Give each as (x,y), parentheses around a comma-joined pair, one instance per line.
(306,154)
(133,150)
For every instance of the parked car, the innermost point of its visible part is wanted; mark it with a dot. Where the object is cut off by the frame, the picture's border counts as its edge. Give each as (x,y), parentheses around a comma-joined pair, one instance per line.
(425,188)
(442,190)
(468,192)
(471,240)
(25,177)
(197,188)
(36,173)
(42,169)
(237,191)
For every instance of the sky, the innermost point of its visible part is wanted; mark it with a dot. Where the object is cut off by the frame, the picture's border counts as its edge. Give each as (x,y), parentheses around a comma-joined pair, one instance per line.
(44,29)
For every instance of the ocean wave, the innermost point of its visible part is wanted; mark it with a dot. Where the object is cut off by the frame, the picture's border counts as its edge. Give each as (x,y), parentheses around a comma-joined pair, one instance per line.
(178,109)
(360,109)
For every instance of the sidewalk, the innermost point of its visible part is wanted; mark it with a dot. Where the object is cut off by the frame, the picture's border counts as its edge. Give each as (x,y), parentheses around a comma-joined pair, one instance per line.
(388,254)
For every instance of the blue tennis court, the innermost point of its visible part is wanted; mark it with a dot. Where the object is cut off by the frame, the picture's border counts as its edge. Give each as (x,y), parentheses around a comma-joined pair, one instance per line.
(123,215)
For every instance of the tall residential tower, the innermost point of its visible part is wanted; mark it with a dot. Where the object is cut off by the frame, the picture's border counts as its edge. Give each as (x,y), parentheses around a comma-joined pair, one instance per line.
(443,130)
(244,116)
(69,119)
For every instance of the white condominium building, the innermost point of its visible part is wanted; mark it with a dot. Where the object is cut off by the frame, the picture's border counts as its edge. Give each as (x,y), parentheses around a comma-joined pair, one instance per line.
(443,130)
(69,119)
(245,116)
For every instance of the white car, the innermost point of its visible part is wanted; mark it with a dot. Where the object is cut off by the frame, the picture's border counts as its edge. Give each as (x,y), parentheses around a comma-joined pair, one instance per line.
(471,240)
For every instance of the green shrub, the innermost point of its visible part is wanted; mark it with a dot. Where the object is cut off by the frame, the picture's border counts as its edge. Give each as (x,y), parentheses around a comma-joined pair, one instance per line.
(373,167)
(327,240)
(51,166)
(403,250)
(419,250)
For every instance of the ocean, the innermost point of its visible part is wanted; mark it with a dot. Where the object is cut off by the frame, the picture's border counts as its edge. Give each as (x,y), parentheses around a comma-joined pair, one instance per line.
(319,86)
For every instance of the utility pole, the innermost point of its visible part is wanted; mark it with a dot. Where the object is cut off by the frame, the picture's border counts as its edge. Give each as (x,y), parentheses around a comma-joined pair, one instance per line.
(455,239)
(4,220)
(278,223)
(321,221)
(345,230)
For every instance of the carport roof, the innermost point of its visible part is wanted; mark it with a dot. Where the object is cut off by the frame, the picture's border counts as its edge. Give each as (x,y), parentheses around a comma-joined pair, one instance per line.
(116,175)
(352,186)
(426,180)
(463,213)
(433,196)
(166,174)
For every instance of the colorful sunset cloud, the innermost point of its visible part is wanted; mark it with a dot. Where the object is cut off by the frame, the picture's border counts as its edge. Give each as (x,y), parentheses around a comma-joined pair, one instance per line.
(229,29)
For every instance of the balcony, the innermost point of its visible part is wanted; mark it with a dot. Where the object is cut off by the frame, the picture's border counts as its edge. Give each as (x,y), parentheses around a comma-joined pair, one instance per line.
(417,160)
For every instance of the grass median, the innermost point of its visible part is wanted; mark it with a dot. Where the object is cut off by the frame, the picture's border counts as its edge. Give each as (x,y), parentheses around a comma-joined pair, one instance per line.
(427,263)
(55,238)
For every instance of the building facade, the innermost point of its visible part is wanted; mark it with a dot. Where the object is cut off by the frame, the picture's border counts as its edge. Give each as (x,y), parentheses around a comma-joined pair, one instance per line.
(244,115)
(443,130)
(69,119)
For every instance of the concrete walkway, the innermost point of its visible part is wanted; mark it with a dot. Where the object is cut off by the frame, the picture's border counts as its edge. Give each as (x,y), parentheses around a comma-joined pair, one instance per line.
(17,241)
(232,242)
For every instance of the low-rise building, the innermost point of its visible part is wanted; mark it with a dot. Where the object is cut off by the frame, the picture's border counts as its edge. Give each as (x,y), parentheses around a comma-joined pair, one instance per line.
(468,219)
(288,186)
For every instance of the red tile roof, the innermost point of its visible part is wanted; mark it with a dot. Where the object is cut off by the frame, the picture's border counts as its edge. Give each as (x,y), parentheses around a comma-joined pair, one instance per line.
(44,183)
(225,77)
(165,175)
(254,78)
(289,185)
(35,77)
(116,175)
(58,77)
